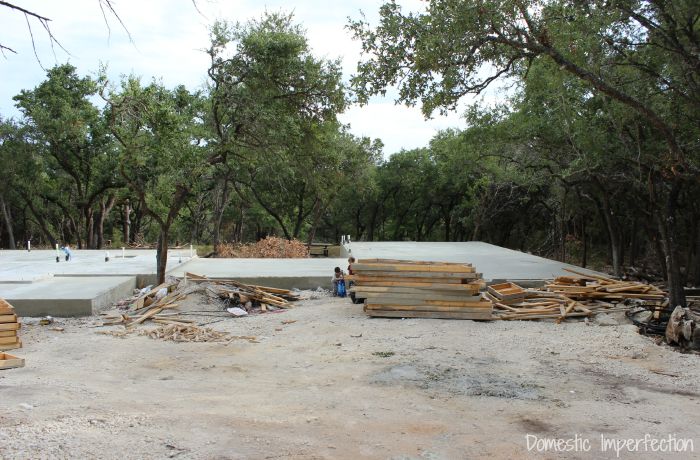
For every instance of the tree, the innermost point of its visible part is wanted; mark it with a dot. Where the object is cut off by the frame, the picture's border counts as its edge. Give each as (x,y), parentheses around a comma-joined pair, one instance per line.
(640,54)
(71,135)
(163,154)
(273,110)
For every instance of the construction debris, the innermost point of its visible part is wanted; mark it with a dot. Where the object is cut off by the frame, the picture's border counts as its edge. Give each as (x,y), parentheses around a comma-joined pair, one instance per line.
(416,289)
(594,287)
(160,305)
(189,333)
(9,327)
(570,296)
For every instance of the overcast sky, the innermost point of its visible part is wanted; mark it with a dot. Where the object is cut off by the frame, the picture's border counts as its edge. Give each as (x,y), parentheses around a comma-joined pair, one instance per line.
(169,36)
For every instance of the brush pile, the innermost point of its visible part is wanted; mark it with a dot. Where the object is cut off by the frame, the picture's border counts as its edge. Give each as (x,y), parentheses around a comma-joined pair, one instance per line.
(268,248)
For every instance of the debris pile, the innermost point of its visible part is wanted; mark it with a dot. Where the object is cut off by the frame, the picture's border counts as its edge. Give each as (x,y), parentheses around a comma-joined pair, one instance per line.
(570,296)
(9,327)
(247,297)
(186,333)
(159,306)
(415,289)
(268,248)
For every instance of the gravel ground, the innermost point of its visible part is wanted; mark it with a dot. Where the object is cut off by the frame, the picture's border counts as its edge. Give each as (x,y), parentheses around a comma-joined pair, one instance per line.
(322,380)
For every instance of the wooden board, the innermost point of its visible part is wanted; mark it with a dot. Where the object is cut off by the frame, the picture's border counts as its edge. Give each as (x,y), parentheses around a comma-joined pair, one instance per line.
(391,300)
(413,262)
(11,346)
(11,318)
(8,340)
(10,361)
(466,287)
(9,326)
(413,267)
(8,333)
(425,295)
(361,278)
(5,305)
(449,289)
(473,309)
(395,274)
(429,314)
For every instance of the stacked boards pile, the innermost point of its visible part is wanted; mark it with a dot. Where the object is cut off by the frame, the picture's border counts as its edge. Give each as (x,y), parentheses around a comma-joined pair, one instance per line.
(9,327)
(416,289)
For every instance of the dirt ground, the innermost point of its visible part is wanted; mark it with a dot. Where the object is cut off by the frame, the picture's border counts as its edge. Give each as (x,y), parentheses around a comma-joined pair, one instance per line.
(331,383)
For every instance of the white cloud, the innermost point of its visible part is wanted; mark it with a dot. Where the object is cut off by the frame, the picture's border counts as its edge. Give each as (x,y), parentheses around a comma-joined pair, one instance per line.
(169,37)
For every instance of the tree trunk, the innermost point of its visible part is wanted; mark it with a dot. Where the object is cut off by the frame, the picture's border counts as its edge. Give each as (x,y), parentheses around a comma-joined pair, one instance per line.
(8,223)
(219,209)
(668,228)
(318,212)
(105,209)
(126,223)
(613,235)
(584,249)
(162,254)
(448,224)
(42,223)
(633,244)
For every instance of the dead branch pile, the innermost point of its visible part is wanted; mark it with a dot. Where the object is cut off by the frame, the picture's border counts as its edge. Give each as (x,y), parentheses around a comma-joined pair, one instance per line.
(270,247)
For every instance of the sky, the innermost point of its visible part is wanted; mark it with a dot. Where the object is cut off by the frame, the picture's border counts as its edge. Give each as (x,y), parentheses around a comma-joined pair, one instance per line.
(169,37)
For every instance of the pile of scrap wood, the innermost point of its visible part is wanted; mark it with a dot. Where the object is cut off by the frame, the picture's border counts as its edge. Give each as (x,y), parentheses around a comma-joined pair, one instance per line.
(9,327)
(156,304)
(150,306)
(594,287)
(415,289)
(246,296)
(568,297)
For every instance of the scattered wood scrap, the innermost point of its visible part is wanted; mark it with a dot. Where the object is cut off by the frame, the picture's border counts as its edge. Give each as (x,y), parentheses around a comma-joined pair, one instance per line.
(9,327)
(242,293)
(594,287)
(569,297)
(416,289)
(187,333)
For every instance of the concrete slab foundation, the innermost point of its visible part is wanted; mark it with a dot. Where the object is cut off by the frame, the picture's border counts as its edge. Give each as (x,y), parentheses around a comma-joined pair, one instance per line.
(65,297)
(279,273)
(496,263)
(36,285)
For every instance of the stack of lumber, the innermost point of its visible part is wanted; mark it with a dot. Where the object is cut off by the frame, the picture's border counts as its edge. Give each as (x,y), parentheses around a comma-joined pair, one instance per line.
(9,327)
(415,289)
(595,287)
